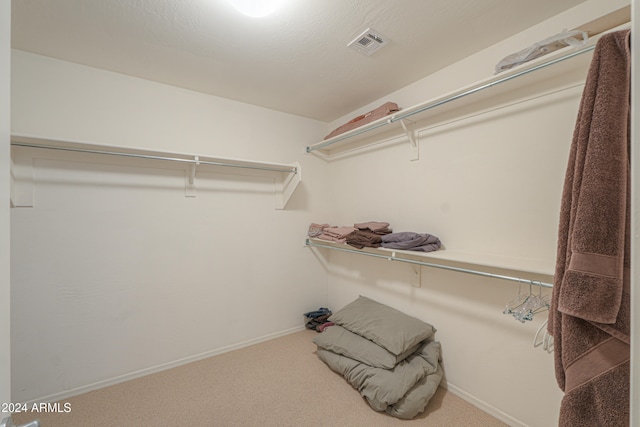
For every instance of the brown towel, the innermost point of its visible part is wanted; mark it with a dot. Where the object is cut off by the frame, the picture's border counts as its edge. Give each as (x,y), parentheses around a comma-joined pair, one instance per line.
(590,313)
(375,226)
(361,238)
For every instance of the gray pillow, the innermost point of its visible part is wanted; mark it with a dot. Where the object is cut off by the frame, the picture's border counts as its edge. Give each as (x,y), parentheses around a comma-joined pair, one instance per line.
(341,341)
(384,325)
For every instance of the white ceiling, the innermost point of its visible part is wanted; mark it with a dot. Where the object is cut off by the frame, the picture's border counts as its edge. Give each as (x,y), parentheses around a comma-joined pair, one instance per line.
(296,60)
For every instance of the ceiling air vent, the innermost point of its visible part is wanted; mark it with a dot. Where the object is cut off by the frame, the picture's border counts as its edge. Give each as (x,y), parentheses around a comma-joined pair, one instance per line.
(368,42)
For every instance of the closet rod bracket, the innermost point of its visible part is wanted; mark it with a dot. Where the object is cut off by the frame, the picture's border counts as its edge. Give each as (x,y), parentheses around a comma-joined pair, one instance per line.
(413,144)
(190,187)
(416,276)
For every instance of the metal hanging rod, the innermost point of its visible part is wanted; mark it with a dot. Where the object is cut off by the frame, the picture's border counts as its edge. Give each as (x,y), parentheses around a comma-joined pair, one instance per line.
(401,116)
(392,257)
(416,110)
(291,169)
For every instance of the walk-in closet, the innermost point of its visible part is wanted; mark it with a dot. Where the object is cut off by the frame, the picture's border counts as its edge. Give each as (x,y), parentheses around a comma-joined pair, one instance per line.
(180,180)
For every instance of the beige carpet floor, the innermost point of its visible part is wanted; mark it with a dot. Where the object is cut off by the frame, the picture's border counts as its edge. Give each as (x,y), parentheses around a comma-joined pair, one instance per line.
(279,382)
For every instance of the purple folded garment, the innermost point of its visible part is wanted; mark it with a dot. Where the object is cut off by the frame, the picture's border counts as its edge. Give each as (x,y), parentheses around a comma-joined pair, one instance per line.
(410,241)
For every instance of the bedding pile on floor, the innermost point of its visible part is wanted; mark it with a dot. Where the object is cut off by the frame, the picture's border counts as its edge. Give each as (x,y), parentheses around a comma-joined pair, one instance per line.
(389,357)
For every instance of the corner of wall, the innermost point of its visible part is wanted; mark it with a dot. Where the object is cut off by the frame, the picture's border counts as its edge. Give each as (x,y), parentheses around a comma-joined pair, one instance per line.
(5,330)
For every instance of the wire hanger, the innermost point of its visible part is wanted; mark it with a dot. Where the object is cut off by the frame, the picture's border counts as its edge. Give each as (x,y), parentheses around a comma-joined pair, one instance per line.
(524,307)
(546,341)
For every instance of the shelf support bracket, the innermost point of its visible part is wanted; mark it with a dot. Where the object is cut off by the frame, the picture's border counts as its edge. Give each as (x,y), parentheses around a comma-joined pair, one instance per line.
(417,276)
(190,187)
(22,189)
(416,271)
(286,185)
(413,144)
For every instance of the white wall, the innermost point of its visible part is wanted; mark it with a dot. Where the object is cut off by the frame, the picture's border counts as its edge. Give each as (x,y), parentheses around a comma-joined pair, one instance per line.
(115,272)
(490,184)
(484,187)
(5,342)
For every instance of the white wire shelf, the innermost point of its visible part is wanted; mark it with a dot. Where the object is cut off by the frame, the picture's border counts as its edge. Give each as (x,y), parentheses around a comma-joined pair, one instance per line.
(443,259)
(287,175)
(558,69)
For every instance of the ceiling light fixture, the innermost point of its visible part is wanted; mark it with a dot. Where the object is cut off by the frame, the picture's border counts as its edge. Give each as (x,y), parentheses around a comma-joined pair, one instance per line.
(256,8)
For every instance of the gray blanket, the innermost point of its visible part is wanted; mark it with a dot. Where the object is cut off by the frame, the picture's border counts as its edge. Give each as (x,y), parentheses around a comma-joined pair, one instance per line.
(403,391)
(391,358)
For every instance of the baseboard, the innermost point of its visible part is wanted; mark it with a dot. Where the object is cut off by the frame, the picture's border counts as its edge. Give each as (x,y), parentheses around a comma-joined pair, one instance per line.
(491,410)
(56,397)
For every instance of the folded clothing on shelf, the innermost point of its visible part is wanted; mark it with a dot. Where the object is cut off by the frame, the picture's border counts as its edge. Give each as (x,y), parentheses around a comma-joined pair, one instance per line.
(382,111)
(543,47)
(361,238)
(375,234)
(377,227)
(316,229)
(336,234)
(411,241)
